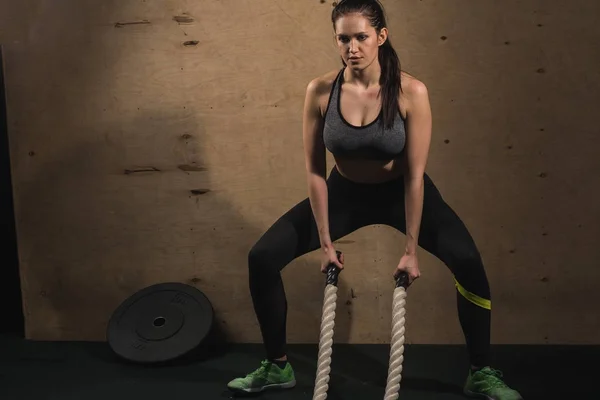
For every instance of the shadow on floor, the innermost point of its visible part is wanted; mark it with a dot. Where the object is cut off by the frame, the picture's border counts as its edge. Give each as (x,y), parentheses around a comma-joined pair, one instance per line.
(76,370)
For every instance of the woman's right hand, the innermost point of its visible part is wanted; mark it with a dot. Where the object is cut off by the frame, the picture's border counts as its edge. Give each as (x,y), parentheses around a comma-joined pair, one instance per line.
(329,256)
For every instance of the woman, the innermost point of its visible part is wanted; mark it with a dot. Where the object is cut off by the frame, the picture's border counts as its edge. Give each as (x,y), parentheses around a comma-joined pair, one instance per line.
(376,121)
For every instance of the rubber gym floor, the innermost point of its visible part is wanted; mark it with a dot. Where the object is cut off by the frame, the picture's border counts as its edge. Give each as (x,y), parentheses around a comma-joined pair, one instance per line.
(90,371)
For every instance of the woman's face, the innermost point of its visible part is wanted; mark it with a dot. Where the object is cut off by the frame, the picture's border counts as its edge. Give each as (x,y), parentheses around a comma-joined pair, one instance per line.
(358,41)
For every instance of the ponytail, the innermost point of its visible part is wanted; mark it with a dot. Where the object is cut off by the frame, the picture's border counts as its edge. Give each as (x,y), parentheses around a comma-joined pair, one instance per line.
(389,82)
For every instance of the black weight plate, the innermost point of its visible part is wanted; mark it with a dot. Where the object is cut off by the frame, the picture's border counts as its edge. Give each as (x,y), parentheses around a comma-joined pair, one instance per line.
(160,323)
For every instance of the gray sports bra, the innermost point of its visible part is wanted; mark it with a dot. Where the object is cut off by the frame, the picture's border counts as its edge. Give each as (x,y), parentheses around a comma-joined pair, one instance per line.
(371,141)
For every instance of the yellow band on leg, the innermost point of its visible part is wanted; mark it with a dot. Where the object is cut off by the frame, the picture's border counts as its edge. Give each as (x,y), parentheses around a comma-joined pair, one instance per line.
(472,297)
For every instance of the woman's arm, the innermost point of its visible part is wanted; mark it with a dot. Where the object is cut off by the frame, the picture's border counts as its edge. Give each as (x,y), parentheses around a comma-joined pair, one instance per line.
(316,162)
(418,132)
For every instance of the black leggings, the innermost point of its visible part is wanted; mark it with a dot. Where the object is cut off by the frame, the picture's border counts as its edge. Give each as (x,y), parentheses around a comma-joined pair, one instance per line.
(352,206)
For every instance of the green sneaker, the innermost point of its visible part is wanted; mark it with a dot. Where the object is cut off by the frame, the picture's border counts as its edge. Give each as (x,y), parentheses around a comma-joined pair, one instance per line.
(267,376)
(487,384)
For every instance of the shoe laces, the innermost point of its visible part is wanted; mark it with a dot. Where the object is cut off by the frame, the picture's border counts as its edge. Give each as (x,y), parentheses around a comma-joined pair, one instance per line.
(261,371)
(493,377)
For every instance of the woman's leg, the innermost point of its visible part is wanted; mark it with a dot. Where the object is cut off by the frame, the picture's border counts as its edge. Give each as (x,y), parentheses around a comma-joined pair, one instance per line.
(443,234)
(291,236)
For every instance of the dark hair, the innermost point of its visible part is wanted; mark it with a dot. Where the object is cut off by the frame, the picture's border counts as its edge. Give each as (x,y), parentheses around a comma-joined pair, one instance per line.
(388,59)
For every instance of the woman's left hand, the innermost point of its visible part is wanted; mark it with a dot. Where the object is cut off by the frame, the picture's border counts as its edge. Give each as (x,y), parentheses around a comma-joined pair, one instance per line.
(410,264)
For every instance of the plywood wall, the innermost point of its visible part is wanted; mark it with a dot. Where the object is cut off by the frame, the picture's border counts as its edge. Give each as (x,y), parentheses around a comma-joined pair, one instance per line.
(156,141)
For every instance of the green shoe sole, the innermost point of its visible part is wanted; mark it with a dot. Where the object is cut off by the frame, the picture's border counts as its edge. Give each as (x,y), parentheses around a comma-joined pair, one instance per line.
(474,395)
(273,386)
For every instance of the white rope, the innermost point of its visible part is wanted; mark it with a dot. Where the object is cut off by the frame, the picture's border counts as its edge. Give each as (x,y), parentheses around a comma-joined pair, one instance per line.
(396,345)
(325,343)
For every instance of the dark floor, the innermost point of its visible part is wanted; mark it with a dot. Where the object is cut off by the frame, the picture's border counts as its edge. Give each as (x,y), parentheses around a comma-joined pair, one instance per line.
(46,370)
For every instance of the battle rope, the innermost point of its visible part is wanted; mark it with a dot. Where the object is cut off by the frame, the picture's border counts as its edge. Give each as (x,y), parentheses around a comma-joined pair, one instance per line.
(326,338)
(327,328)
(397,340)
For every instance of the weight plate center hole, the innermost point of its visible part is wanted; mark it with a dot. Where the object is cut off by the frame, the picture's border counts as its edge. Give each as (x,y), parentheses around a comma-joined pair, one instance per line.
(159,321)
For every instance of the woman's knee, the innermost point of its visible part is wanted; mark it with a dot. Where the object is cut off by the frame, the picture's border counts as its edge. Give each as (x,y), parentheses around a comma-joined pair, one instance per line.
(260,260)
(289,237)
(467,255)
(466,264)
(271,253)
(471,278)
(458,250)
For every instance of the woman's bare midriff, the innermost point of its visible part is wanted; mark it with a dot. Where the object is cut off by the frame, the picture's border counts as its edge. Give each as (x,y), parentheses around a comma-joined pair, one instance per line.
(369,171)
